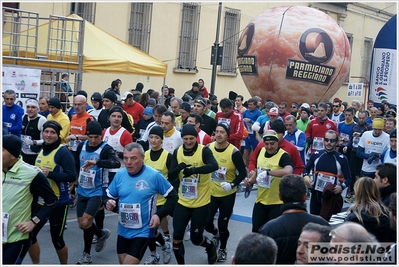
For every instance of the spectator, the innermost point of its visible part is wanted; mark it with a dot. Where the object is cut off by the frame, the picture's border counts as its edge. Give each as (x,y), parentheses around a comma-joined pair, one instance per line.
(385,179)
(115,87)
(369,211)
(64,91)
(311,232)
(292,191)
(194,92)
(202,88)
(144,98)
(391,254)
(254,248)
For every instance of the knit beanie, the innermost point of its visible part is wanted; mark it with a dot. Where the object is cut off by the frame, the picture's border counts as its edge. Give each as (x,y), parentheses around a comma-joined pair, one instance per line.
(96,96)
(54,125)
(94,127)
(378,123)
(110,95)
(157,130)
(278,126)
(12,144)
(81,92)
(188,129)
(393,134)
(185,106)
(115,109)
(225,126)
(55,102)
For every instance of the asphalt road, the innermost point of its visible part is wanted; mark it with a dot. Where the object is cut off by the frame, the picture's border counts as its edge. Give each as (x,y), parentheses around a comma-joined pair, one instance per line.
(239,225)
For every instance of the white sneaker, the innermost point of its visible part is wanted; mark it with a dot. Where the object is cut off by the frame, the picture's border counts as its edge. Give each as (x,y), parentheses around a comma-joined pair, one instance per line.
(167,253)
(102,240)
(152,259)
(85,259)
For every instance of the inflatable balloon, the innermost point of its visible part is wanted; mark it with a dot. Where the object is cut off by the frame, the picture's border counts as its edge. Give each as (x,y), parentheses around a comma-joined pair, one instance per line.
(293,53)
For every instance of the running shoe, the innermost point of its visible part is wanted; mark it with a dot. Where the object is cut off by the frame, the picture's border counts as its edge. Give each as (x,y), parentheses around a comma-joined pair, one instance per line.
(94,240)
(350,199)
(85,259)
(212,254)
(102,240)
(222,255)
(152,259)
(216,240)
(167,253)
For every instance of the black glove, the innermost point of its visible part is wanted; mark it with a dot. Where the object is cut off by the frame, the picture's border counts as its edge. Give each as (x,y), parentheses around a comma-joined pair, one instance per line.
(181,166)
(309,141)
(120,155)
(373,156)
(189,171)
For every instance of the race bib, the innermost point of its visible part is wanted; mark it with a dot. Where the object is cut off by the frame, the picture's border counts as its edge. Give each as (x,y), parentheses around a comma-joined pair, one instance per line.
(219,175)
(356,140)
(318,143)
(345,138)
(5,216)
(142,131)
(264,181)
(322,180)
(130,215)
(86,179)
(25,147)
(189,187)
(225,120)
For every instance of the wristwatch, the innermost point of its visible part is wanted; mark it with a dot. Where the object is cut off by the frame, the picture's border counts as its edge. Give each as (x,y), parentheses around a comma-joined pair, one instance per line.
(35,220)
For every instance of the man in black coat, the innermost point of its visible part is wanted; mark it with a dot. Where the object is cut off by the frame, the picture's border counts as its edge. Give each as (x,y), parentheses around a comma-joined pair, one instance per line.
(287,228)
(385,178)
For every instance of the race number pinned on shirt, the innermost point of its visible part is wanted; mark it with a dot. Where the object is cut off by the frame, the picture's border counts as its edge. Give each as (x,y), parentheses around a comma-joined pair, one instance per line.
(318,143)
(219,175)
(225,120)
(356,140)
(264,180)
(130,215)
(73,144)
(5,216)
(322,179)
(189,187)
(86,178)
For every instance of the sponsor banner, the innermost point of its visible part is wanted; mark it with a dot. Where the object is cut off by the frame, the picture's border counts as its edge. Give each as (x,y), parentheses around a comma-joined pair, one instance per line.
(383,75)
(24,82)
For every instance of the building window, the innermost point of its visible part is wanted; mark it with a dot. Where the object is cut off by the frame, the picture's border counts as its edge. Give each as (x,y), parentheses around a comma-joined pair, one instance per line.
(350,39)
(140,26)
(366,64)
(189,36)
(230,41)
(86,11)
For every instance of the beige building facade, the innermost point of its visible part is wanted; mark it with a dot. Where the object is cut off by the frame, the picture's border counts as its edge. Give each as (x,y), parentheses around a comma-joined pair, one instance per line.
(182,34)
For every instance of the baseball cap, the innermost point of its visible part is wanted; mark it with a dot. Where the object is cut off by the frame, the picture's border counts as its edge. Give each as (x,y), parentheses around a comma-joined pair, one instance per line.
(126,95)
(148,111)
(273,111)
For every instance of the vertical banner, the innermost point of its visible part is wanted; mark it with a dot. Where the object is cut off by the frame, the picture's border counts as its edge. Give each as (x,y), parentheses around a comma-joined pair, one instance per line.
(383,65)
(24,82)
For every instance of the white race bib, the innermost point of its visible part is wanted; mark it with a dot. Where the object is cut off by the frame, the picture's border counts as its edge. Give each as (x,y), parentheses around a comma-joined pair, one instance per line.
(318,143)
(219,175)
(86,179)
(322,180)
(130,215)
(189,187)
(264,181)
(5,216)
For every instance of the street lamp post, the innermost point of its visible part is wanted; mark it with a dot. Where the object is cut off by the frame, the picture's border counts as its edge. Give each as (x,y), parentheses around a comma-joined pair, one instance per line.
(216,49)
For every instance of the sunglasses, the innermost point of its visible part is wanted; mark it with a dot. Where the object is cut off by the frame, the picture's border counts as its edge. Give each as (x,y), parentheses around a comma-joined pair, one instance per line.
(294,107)
(336,106)
(330,140)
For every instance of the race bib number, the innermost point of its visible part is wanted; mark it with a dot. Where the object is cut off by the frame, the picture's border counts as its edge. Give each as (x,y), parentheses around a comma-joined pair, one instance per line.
(266,180)
(219,175)
(225,120)
(322,180)
(189,187)
(86,179)
(5,216)
(318,143)
(345,138)
(130,215)
(141,132)
(356,140)
(24,138)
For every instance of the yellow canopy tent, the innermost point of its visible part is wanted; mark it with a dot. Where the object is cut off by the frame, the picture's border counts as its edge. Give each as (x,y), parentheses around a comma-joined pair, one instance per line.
(102,52)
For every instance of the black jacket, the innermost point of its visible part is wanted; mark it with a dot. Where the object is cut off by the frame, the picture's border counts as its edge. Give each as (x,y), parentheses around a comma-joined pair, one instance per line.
(287,228)
(381,231)
(386,192)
